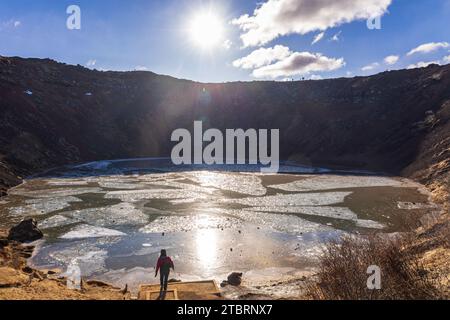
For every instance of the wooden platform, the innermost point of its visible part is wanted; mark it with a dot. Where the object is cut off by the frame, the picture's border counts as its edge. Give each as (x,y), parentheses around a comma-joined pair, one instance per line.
(195,290)
(156,295)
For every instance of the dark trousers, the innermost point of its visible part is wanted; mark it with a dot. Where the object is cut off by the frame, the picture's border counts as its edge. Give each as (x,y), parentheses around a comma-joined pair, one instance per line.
(164,279)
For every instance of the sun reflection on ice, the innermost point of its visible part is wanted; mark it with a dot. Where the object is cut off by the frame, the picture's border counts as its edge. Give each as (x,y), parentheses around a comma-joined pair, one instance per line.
(206,242)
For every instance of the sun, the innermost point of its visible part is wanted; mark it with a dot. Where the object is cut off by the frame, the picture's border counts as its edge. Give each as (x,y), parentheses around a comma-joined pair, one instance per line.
(206,30)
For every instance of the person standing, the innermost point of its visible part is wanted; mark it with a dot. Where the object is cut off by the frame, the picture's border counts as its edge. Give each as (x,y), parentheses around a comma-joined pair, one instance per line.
(164,265)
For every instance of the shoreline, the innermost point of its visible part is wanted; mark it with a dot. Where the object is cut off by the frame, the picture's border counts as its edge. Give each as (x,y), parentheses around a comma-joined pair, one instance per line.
(19,281)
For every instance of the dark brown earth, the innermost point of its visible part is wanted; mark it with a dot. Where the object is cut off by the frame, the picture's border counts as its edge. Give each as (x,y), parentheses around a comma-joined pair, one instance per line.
(396,122)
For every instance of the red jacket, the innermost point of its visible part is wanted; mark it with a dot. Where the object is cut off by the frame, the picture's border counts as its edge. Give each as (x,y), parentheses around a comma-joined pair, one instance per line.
(164,263)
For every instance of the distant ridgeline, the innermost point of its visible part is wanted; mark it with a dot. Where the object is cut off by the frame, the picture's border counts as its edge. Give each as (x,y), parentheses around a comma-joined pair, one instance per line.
(54,114)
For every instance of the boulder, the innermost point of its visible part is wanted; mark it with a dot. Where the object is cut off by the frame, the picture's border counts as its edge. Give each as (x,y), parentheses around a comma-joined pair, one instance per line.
(235,279)
(26,231)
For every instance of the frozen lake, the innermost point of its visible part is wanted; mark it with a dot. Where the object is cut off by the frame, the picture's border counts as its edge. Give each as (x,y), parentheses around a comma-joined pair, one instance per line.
(112,218)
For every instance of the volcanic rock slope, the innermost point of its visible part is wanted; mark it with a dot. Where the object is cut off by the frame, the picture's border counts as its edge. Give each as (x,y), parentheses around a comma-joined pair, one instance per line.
(53,114)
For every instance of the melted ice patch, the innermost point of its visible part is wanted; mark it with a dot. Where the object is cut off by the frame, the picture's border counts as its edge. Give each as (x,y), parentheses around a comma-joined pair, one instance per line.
(55,221)
(330,182)
(298,200)
(52,193)
(37,207)
(119,214)
(86,231)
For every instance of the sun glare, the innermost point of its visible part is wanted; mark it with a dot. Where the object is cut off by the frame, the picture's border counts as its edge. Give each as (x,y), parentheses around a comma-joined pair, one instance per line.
(206,30)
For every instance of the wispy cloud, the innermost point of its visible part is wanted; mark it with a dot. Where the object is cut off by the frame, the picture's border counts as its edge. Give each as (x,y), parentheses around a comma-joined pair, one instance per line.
(391,60)
(316,77)
(262,57)
(227,44)
(318,37)
(276,18)
(299,63)
(91,63)
(370,67)
(428,47)
(422,64)
(281,62)
(10,24)
(141,68)
(336,37)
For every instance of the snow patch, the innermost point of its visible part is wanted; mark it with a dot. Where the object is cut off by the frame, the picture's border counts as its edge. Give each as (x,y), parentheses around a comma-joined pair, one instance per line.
(86,231)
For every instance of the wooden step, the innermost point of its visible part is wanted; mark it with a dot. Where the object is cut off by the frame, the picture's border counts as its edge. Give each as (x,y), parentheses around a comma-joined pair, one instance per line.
(194,290)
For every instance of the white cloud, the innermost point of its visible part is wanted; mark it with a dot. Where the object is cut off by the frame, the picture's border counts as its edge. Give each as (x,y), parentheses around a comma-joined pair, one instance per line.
(336,36)
(422,64)
(276,18)
(446,59)
(227,44)
(262,57)
(318,37)
(429,47)
(10,24)
(91,63)
(371,66)
(316,77)
(299,63)
(391,60)
(141,68)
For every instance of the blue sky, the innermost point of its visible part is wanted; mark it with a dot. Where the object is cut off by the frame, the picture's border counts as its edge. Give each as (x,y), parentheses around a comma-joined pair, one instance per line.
(157,36)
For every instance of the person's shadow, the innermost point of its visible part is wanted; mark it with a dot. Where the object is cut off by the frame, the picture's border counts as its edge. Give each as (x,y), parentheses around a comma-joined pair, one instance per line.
(162,295)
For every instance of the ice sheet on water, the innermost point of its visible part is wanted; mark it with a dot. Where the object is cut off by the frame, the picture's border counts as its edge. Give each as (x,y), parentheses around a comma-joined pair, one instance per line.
(120,185)
(119,214)
(37,207)
(189,223)
(329,182)
(175,181)
(52,193)
(133,278)
(55,221)
(323,211)
(66,182)
(370,224)
(68,199)
(278,222)
(97,165)
(298,200)
(136,195)
(88,257)
(246,184)
(414,206)
(87,231)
